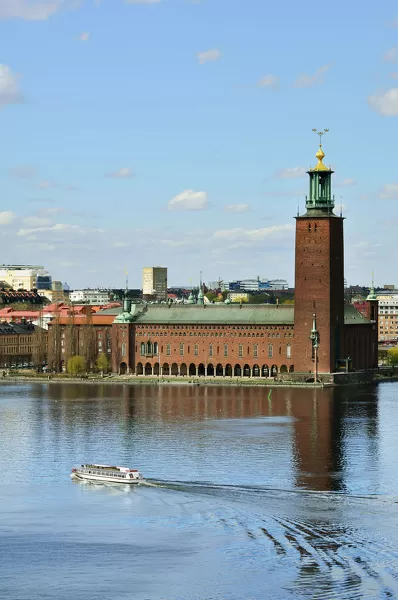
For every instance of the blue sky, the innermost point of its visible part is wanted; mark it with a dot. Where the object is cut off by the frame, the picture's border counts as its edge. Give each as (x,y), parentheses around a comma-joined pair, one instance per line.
(177,133)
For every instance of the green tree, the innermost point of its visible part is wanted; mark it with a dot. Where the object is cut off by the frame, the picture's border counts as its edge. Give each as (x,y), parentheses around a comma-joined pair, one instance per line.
(103,363)
(76,365)
(392,356)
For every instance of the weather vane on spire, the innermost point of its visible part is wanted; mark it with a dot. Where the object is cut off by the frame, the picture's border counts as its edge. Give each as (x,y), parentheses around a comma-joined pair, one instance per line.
(320,133)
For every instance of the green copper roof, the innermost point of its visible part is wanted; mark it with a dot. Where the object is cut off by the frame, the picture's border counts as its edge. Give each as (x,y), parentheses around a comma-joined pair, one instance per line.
(372,295)
(224,314)
(353,317)
(124,317)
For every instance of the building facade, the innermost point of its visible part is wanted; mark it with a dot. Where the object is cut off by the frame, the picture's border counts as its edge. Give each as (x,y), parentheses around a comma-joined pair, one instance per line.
(154,283)
(88,296)
(318,335)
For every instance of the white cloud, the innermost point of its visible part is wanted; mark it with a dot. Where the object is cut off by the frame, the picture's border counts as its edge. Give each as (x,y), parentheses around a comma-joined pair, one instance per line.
(189,200)
(306,80)
(391,55)
(291,173)
(389,191)
(385,103)
(252,234)
(28,10)
(83,37)
(37,221)
(57,227)
(124,173)
(344,182)
(45,185)
(208,56)
(22,172)
(9,89)
(6,217)
(236,208)
(270,81)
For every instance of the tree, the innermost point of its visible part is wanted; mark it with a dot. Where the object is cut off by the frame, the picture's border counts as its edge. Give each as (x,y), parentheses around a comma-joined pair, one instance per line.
(39,350)
(103,363)
(392,356)
(76,365)
(88,348)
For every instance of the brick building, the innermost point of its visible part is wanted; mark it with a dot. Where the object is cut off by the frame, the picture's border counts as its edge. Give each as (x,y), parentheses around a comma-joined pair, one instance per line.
(22,345)
(318,335)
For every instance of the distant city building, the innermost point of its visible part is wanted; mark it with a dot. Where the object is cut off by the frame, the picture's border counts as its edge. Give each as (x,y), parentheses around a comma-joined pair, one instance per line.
(388,316)
(99,297)
(22,345)
(25,277)
(154,283)
(257,285)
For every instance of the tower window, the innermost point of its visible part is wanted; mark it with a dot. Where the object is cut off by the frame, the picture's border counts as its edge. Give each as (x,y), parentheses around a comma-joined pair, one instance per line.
(309,227)
(315,227)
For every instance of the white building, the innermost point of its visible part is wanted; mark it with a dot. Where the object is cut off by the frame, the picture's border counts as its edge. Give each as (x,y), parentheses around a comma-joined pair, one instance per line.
(388,317)
(154,283)
(26,277)
(99,297)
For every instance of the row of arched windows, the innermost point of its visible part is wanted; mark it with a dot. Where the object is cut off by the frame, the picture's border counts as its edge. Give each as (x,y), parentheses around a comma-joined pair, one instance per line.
(149,348)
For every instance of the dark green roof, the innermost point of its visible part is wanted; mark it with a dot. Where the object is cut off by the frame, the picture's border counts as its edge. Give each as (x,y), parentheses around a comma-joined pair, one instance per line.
(224,314)
(228,314)
(353,317)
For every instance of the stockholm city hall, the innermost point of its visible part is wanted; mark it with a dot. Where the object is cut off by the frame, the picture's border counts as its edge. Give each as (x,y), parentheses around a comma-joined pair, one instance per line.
(317,336)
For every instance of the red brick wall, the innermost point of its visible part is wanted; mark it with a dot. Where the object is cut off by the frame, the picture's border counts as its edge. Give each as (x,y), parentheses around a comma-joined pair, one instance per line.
(204,337)
(319,289)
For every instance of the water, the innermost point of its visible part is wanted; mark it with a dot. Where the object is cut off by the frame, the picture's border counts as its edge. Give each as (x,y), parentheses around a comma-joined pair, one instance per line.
(249,497)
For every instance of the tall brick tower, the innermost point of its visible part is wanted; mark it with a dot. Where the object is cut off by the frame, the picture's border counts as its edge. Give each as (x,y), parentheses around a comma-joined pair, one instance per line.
(319,268)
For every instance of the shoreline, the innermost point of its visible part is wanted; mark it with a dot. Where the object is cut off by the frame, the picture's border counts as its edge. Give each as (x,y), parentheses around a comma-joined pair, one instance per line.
(187,381)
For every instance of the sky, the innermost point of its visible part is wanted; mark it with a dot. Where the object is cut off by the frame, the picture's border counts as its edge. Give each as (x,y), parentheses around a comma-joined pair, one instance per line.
(178,133)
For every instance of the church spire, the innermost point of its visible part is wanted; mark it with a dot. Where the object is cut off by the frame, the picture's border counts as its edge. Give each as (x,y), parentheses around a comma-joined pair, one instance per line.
(320,193)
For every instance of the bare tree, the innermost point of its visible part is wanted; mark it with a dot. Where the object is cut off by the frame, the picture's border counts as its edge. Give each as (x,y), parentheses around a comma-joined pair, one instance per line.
(88,340)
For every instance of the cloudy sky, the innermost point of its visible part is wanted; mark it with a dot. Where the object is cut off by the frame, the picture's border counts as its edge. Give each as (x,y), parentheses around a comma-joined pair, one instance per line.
(178,133)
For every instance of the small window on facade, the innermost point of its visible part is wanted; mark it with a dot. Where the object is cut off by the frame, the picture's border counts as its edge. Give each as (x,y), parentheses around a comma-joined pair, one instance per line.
(289,351)
(270,351)
(155,348)
(211,350)
(168,350)
(196,350)
(181,349)
(225,349)
(255,351)
(240,350)
(142,348)
(309,227)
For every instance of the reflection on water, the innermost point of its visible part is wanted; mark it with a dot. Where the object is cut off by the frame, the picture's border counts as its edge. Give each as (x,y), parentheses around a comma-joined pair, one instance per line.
(248,496)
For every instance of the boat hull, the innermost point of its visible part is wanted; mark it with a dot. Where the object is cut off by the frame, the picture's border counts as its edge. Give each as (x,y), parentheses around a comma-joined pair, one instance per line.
(104,479)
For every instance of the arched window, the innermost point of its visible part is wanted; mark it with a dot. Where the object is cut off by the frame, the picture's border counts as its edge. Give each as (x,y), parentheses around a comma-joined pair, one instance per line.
(270,351)
(309,227)
(289,351)
(149,348)
(155,348)
(142,348)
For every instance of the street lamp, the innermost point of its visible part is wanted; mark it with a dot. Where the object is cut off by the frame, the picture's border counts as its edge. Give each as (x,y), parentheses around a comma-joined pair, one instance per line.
(314,337)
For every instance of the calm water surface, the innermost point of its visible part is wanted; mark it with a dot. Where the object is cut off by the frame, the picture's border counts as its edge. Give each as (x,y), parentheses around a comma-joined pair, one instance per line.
(249,498)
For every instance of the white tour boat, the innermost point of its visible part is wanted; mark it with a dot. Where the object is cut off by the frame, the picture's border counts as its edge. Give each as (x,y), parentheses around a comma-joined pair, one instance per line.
(107,473)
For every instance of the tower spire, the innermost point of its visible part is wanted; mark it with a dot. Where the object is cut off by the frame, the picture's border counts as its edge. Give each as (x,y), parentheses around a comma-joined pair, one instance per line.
(320,193)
